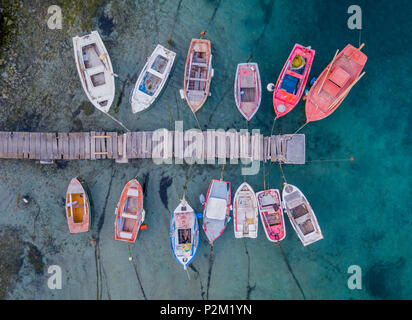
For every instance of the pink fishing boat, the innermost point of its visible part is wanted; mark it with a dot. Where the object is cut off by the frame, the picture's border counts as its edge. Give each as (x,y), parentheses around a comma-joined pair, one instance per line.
(271,214)
(248,89)
(292,80)
(335,82)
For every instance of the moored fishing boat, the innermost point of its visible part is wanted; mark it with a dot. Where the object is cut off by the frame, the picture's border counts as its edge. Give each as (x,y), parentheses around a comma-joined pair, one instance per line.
(292,79)
(271,214)
(216,209)
(95,70)
(129,212)
(248,89)
(152,78)
(334,83)
(184,233)
(77,207)
(245,212)
(198,74)
(301,215)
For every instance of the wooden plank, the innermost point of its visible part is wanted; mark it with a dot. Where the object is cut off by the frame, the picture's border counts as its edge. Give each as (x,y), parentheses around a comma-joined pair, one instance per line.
(81,145)
(87,145)
(6,144)
(120,145)
(32,145)
(3,144)
(49,146)
(71,146)
(133,153)
(144,144)
(38,145)
(97,146)
(109,145)
(128,145)
(273,155)
(114,144)
(103,145)
(55,149)
(12,146)
(220,144)
(265,148)
(65,145)
(178,145)
(210,154)
(244,145)
(19,138)
(204,144)
(149,144)
(92,145)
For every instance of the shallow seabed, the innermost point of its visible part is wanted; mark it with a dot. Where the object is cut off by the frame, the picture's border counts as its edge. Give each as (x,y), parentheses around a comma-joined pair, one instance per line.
(362,206)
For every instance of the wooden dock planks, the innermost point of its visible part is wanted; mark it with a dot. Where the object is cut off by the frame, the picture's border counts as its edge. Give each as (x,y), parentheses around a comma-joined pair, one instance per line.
(164,144)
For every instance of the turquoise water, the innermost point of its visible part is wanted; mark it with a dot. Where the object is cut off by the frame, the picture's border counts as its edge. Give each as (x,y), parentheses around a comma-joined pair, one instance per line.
(362,206)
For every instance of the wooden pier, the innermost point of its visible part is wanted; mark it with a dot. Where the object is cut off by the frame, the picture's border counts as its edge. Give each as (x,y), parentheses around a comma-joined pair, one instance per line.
(160,144)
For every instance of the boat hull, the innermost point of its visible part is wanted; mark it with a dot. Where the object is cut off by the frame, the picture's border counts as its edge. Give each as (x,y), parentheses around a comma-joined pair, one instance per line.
(345,70)
(198,74)
(216,209)
(152,78)
(245,212)
(184,234)
(291,82)
(271,214)
(301,215)
(95,70)
(129,212)
(77,207)
(248,89)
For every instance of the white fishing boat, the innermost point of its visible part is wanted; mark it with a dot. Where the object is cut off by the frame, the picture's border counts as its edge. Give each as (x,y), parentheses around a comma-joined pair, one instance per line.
(95,70)
(184,233)
(301,215)
(152,78)
(216,209)
(245,212)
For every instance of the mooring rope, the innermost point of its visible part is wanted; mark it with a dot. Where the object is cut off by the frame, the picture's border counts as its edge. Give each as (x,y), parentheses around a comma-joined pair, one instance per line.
(119,122)
(281,173)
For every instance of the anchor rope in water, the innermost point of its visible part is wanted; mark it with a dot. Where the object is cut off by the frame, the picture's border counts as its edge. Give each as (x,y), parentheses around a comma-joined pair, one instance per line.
(281,173)
(118,121)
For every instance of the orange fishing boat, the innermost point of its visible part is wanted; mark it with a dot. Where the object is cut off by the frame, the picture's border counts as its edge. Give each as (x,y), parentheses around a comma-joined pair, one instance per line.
(77,207)
(129,212)
(292,80)
(198,74)
(334,83)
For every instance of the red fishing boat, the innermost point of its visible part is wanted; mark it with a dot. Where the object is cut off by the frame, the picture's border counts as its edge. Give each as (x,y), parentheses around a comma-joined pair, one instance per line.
(271,214)
(334,83)
(129,212)
(248,89)
(292,80)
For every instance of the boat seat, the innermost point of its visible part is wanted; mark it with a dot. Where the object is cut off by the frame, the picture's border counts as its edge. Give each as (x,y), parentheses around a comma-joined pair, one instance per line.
(339,77)
(289,83)
(196,79)
(216,209)
(299,211)
(133,192)
(199,64)
(129,216)
(252,227)
(125,235)
(307,227)
(331,88)
(71,204)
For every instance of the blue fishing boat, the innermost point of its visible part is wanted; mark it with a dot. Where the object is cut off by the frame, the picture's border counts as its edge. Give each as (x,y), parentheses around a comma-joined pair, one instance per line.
(184,233)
